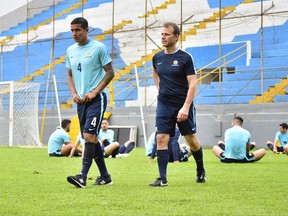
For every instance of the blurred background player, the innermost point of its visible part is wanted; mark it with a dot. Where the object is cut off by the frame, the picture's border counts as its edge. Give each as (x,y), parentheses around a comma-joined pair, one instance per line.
(111,147)
(237,145)
(177,152)
(281,140)
(59,143)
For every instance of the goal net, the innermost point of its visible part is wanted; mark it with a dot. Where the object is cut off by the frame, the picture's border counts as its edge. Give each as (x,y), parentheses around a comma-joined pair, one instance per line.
(19,114)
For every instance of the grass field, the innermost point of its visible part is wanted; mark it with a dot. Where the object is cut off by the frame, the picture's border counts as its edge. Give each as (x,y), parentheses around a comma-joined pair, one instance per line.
(34,184)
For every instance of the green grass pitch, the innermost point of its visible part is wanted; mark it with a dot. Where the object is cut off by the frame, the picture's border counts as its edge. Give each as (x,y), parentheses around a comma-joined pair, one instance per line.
(31,183)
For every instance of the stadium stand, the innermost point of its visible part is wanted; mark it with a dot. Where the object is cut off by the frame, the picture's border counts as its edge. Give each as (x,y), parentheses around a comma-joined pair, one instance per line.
(243,70)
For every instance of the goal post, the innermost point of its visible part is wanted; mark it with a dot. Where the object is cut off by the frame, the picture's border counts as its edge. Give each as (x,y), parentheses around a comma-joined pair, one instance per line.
(19,114)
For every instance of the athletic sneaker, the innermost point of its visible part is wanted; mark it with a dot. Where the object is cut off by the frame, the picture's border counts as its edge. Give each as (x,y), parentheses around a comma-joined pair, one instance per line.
(201,177)
(103,181)
(122,155)
(77,180)
(159,183)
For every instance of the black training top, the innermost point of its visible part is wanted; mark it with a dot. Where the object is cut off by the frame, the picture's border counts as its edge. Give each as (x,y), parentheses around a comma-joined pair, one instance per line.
(173,70)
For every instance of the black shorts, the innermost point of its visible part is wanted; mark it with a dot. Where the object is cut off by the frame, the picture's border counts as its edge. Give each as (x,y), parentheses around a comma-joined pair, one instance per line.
(166,118)
(90,114)
(246,159)
(280,149)
(56,154)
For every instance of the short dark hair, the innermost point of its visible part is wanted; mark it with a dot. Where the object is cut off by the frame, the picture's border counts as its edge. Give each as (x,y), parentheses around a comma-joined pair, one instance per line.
(65,122)
(80,20)
(284,125)
(174,26)
(105,119)
(239,120)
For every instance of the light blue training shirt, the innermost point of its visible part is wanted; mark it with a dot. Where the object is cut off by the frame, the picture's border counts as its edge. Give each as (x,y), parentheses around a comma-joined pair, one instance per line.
(86,63)
(236,139)
(283,138)
(149,144)
(56,140)
(108,134)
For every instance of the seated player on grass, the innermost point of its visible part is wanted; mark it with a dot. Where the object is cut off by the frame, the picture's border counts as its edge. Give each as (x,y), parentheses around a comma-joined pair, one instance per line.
(237,145)
(111,147)
(59,143)
(280,144)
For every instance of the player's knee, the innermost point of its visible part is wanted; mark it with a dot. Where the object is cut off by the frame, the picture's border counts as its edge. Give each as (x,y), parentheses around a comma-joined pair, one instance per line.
(263,151)
(116,144)
(216,149)
(220,142)
(259,153)
(89,137)
(162,140)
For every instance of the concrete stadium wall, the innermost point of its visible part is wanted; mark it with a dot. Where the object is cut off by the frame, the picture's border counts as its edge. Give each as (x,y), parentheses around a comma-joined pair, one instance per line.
(212,121)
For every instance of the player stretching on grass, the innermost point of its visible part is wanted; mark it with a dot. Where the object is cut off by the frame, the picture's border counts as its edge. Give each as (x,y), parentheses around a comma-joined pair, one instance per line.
(89,72)
(237,145)
(175,77)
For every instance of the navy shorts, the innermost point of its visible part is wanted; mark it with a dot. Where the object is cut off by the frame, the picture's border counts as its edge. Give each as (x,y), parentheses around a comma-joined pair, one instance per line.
(166,119)
(90,114)
(56,154)
(280,149)
(246,159)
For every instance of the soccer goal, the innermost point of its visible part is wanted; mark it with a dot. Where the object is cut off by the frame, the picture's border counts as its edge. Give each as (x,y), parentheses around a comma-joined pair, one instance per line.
(19,114)
(124,133)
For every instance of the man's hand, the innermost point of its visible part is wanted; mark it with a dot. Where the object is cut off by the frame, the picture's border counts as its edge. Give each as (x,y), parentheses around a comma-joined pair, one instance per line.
(183,114)
(77,99)
(150,160)
(89,97)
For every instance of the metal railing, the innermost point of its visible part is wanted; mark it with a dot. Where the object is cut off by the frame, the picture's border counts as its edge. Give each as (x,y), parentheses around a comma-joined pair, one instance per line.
(132,79)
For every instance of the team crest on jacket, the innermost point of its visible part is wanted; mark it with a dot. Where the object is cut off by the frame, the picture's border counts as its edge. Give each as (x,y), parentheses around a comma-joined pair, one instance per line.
(175,63)
(88,55)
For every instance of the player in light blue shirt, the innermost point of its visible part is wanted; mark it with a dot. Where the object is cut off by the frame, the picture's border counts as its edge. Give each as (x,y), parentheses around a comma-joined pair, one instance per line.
(59,143)
(86,63)
(89,72)
(237,145)
(110,146)
(150,143)
(105,134)
(280,144)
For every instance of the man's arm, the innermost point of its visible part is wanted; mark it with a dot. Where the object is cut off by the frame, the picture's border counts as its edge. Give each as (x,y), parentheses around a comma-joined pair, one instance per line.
(184,111)
(72,88)
(109,75)
(275,145)
(73,149)
(155,77)
(247,149)
(154,149)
